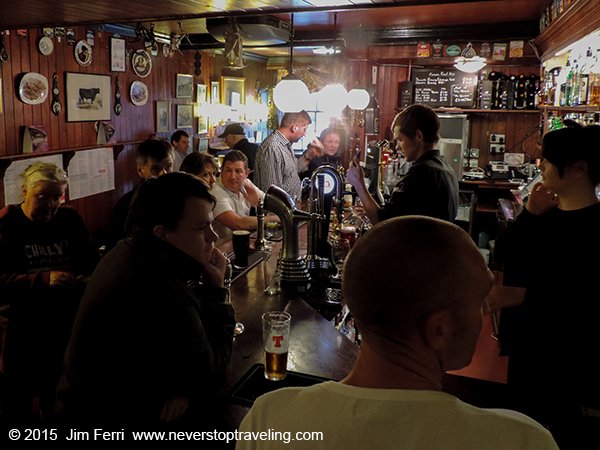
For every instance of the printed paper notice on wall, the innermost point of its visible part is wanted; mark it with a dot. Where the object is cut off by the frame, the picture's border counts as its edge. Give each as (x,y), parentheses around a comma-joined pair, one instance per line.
(91,172)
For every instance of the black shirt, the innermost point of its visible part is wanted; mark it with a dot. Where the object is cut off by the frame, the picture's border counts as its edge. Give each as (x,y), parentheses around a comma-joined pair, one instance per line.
(430,188)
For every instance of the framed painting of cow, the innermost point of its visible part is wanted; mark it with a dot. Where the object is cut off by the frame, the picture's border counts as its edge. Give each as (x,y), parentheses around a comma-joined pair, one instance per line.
(88,97)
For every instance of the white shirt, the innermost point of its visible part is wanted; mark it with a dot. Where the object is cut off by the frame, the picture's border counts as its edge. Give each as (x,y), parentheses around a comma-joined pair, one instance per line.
(350,417)
(229,201)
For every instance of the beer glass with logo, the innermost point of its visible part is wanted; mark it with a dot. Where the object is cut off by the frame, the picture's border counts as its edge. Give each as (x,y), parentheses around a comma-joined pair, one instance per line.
(276,339)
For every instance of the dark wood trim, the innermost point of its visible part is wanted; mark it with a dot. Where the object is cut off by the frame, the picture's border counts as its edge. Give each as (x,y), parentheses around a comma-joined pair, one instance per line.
(582,18)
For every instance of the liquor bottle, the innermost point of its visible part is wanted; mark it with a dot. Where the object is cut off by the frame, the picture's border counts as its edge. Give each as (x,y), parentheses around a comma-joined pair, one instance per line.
(575,86)
(566,99)
(594,81)
(552,88)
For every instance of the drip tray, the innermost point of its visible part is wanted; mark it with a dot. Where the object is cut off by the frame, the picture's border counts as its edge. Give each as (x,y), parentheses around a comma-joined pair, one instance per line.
(254,258)
(254,384)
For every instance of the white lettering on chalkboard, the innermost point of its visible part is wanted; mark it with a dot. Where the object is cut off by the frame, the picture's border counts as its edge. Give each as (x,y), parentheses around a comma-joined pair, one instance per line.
(443,87)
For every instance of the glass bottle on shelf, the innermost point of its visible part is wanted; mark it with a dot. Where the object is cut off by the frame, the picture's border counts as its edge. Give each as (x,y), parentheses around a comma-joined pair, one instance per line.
(552,87)
(594,81)
(575,87)
(541,97)
(566,99)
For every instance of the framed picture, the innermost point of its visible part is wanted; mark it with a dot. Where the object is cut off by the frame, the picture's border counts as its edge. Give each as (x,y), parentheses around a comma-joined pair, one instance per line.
(214,92)
(203,145)
(185,86)
(117,54)
(233,91)
(88,97)
(202,124)
(201,94)
(185,116)
(163,117)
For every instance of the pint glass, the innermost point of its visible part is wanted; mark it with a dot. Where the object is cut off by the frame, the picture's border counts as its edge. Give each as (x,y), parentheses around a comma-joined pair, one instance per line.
(276,339)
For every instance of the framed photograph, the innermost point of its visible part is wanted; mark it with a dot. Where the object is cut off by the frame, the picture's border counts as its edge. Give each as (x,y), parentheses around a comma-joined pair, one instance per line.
(185,86)
(233,91)
(163,117)
(202,124)
(203,145)
(200,94)
(214,92)
(185,116)
(117,54)
(88,97)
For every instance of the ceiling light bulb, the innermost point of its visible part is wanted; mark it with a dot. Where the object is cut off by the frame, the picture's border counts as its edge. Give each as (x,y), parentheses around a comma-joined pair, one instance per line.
(333,98)
(358,99)
(290,94)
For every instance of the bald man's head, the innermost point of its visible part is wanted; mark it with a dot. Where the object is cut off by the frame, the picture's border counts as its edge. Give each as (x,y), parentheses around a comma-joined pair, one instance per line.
(408,267)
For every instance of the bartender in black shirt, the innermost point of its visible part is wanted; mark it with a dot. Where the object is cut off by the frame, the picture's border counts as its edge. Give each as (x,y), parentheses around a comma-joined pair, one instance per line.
(430,187)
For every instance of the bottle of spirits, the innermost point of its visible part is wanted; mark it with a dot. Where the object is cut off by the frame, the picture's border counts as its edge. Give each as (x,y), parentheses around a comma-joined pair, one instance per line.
(566,100)
(594,81)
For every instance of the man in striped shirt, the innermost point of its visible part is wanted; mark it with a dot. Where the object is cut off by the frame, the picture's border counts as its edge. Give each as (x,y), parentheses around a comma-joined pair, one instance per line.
(275,160)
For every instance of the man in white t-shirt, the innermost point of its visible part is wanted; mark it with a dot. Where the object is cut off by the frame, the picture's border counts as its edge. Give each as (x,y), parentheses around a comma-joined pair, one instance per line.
(235,196)
(416,287)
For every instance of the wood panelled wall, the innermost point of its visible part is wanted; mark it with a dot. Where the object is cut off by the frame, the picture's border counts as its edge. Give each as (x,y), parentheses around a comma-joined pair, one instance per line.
(514,125)
(135,122)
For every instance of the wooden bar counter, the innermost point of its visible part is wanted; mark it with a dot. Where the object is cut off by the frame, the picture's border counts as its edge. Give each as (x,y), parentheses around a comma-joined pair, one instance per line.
(316,346)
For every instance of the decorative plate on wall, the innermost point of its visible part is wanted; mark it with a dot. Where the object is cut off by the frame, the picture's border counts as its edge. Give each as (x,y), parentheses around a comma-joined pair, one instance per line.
(138,93)
(33,88)
(46,46)
(83,53)
(141,63)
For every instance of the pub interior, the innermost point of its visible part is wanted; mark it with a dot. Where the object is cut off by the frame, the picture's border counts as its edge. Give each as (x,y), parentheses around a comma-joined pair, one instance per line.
(83,84)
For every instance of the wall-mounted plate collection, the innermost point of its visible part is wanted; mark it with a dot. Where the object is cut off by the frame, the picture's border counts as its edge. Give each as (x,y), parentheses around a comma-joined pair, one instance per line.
(33,88)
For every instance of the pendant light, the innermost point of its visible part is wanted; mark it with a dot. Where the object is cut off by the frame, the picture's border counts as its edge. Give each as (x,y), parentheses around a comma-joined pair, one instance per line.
(290,94)
(469,62)
(333,98)
(358,99)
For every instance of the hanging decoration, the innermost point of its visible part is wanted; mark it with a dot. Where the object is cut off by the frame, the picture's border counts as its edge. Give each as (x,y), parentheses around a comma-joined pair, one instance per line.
(56,107)
(118,108)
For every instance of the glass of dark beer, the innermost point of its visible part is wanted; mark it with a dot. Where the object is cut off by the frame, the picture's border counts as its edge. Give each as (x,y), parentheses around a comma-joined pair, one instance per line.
(276,339)
(241,248)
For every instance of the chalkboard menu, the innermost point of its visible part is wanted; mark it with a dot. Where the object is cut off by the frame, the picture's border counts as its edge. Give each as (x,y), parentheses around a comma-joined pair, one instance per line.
(444,87)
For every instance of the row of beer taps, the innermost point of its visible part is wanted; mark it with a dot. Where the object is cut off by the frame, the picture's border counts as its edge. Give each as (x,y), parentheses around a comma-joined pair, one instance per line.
(325,195)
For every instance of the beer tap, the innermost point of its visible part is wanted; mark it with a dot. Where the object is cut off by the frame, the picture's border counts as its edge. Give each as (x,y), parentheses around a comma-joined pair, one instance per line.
(260,243)
(291,265)
(320,202)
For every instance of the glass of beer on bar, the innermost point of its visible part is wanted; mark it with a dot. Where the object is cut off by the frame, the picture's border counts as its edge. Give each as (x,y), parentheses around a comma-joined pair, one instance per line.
(276,339)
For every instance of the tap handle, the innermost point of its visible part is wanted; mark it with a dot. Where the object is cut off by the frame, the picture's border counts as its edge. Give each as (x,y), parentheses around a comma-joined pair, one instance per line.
(260,243)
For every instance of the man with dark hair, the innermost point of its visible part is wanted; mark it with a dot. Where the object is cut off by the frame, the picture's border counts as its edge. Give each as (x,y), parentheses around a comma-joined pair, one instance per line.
(275,160)
(154,158)
(413,332)
(153,333)
(235,196)
(235,138)
(430,187)
(180,141)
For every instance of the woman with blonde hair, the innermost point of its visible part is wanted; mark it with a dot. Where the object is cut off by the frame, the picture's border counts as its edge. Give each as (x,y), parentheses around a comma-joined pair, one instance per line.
(45,252)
